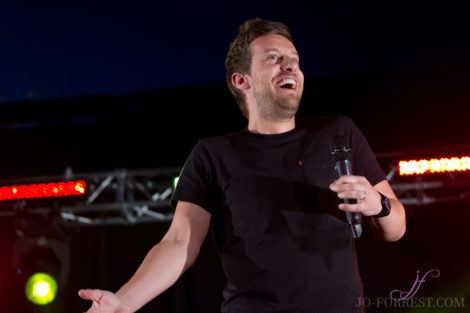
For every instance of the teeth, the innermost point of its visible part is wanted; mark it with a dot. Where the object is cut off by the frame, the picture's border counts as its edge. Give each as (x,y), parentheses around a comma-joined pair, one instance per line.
(287,82)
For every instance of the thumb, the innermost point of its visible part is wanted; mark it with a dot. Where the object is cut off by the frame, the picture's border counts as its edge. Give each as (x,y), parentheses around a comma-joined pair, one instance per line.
(91,294)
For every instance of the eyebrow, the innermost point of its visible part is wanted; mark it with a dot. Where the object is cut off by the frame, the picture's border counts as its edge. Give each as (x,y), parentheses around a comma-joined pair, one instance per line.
(277,50)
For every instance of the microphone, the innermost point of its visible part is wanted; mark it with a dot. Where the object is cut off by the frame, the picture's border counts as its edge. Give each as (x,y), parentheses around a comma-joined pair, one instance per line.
(341,154)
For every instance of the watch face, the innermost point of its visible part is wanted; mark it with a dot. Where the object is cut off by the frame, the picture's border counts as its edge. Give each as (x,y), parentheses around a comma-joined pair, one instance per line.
(386,206)
(387,203)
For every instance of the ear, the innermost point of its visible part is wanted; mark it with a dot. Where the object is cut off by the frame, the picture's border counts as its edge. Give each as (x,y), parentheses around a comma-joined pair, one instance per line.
(240,81)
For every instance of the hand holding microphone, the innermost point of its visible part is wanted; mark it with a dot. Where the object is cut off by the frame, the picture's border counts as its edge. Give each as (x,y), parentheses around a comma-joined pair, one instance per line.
(359,197)
(358,188)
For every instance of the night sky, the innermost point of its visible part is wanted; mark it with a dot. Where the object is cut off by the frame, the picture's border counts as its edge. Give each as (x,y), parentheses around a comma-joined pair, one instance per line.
(135,84)
(59,49)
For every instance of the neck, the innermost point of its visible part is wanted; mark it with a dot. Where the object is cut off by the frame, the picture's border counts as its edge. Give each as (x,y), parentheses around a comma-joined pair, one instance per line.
(269,127)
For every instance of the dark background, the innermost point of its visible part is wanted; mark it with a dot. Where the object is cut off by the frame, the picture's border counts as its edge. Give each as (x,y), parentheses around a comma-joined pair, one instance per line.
(99,86)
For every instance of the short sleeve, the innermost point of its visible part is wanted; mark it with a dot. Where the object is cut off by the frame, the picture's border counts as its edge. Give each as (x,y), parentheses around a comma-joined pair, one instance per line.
(364,161)
(196,182)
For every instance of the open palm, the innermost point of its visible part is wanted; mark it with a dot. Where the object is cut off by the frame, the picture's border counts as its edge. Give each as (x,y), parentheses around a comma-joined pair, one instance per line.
(103,301)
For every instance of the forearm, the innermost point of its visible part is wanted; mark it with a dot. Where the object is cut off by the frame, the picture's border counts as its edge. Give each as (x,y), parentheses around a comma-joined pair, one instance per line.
(393,226)
(162,266)
(160,269)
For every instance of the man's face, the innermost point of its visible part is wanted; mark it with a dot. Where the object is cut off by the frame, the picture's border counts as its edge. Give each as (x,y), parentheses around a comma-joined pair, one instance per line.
(275,78)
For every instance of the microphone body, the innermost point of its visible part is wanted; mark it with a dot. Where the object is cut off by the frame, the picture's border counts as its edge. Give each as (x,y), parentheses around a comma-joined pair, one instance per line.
(341,154)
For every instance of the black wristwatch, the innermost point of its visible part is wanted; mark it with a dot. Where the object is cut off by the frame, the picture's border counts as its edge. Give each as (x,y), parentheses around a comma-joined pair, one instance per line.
(386,206)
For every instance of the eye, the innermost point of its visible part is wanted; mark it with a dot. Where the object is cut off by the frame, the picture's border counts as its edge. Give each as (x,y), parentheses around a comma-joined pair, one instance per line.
(273,57)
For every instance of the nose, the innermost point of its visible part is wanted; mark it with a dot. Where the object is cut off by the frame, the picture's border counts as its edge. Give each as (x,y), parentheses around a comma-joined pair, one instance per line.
(289,64)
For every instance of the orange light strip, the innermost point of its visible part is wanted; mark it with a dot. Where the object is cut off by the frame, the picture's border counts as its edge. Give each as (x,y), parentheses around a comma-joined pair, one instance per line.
(60,189)
(443,165)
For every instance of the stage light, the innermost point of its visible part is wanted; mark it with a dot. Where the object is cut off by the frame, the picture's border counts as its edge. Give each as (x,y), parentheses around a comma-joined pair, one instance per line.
(41,267)
(175,182)
(60,189)
(442,165)
(41,288)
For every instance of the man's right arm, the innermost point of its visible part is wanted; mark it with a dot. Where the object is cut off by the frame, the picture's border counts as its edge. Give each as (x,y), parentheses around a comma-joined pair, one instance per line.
(162,266)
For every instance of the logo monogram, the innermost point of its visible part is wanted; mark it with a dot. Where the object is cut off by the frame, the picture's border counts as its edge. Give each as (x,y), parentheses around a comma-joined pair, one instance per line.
(403,295)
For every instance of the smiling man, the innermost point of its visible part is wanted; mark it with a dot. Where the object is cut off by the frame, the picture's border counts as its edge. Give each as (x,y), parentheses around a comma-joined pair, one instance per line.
(271,196)
(274,85)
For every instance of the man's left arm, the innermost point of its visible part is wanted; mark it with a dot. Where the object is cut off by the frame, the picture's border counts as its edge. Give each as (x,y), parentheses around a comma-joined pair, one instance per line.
(369,203)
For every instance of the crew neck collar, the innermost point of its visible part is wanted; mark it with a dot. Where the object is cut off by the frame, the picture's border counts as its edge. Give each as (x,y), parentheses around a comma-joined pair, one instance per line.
(269,136)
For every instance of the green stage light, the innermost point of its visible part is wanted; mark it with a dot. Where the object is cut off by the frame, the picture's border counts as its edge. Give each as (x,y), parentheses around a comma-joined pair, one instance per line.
(175,182)
(41,288)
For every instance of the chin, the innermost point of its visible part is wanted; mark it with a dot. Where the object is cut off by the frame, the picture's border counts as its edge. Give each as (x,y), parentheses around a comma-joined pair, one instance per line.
(287,112)
(289,105)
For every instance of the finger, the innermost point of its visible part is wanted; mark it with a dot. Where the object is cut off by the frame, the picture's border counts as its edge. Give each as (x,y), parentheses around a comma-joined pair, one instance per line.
(346,179)
(351,207)
(91,294)
(352,194)
(350,187)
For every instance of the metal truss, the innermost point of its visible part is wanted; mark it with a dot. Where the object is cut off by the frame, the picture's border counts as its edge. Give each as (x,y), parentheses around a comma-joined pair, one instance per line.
(128,197)
(428,189)
(121,197)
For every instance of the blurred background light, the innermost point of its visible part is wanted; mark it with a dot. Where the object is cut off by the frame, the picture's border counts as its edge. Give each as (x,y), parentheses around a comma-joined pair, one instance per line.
(41,288)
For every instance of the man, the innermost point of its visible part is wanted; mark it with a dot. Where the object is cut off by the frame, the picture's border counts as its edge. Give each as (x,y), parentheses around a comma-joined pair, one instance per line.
(271,196)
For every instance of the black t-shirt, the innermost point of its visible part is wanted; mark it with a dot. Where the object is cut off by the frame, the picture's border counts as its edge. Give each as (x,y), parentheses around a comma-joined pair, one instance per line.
(284,244)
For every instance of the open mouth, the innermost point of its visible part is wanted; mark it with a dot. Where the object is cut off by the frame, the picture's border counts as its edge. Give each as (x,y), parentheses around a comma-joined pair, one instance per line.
(287,83)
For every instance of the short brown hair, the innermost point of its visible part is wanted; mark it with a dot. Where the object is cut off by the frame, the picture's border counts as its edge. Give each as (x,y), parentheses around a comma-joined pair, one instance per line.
(238,58)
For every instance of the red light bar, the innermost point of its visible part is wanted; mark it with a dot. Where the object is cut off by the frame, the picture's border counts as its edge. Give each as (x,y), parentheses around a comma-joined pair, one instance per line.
(443,165)
(60,189)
